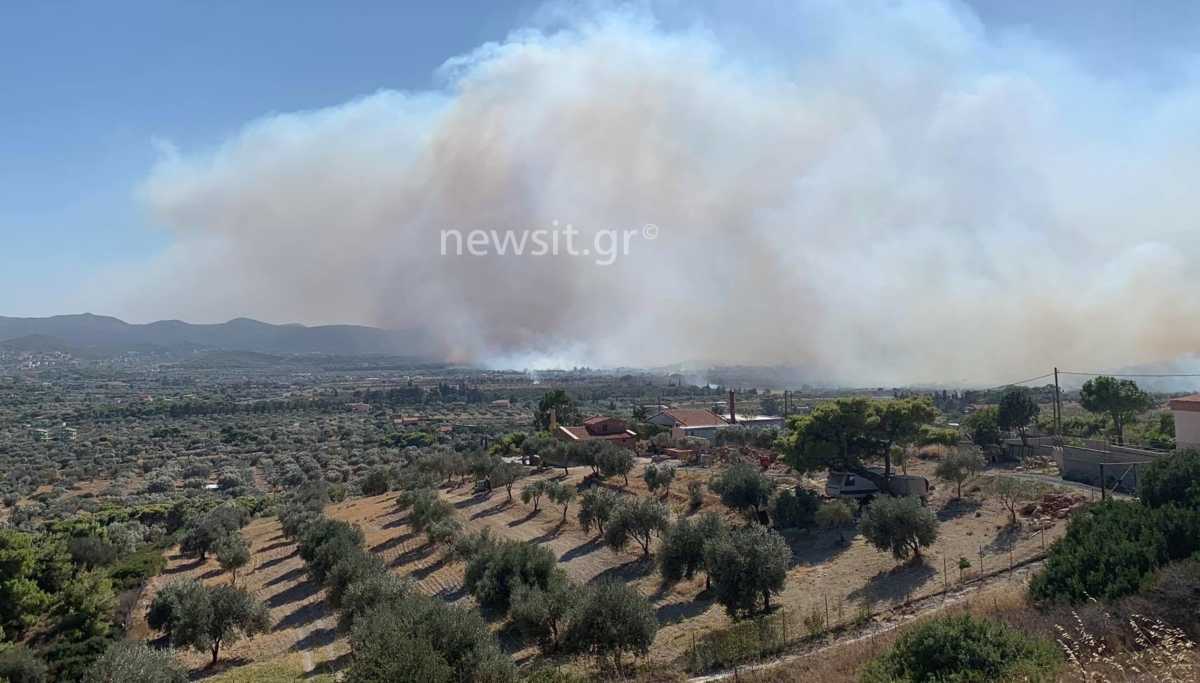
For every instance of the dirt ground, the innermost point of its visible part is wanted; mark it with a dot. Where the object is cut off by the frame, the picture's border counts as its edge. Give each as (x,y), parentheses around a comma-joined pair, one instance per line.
(847,575)
(303,636)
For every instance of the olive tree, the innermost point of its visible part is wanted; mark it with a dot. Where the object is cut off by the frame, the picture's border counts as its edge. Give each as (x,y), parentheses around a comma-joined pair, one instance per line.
(612,618)
(232,554)
(219,616)
(901,525)
(960,466)
(596,507)
(561,494)
(746,564)
(638,519)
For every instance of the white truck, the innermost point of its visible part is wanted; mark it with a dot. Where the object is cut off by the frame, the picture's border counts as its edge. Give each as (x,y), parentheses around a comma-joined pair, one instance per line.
(858,487)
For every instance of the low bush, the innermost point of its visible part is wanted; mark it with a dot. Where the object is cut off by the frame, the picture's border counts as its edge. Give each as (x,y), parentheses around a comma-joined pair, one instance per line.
(964,649)
(1111,550)
(795,510)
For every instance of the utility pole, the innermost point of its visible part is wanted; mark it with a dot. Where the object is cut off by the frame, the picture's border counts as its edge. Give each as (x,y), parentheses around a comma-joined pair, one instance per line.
(1057,409)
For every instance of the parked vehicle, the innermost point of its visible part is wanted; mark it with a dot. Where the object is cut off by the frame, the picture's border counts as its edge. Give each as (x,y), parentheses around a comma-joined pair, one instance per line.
(858,487)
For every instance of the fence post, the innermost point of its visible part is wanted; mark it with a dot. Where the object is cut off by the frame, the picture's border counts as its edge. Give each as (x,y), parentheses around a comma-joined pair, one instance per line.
(826,611)
(945,577)
(980,563)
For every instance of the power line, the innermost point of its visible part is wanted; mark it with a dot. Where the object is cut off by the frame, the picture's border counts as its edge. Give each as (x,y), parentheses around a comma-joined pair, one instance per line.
(1023,381)
(1143,374)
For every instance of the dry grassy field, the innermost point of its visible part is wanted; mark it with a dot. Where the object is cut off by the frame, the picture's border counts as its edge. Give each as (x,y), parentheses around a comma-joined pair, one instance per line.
(848,577)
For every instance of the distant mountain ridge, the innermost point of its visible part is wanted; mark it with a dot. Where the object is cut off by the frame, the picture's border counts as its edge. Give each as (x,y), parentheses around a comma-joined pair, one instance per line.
(104,333)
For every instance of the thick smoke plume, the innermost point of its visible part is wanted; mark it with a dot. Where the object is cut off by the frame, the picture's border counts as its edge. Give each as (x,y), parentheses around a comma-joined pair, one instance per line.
(893,194)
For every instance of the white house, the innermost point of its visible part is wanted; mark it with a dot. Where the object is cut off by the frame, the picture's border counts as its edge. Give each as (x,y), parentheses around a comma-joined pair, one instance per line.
(1187,421)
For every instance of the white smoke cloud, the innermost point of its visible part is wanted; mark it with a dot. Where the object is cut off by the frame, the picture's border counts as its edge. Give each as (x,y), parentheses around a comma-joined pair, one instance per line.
(896,194)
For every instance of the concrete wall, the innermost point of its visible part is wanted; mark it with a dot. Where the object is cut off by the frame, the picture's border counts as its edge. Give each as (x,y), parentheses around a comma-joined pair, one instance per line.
(1121,466)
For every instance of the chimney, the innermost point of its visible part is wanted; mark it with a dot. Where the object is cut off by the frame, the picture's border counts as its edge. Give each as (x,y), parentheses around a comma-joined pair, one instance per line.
(732,409)
(553,420)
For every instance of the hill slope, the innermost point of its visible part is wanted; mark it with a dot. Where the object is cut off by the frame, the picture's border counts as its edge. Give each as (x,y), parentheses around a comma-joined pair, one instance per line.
(88,331)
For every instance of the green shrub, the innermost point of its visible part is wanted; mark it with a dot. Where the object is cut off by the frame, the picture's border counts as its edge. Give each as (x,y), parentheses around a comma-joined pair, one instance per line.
(19,665)
(134,570)
(795,510)
(420,638)
(1173,479)
(1111,550)
(493,574)
(136,662)
(612,618)
(964,649)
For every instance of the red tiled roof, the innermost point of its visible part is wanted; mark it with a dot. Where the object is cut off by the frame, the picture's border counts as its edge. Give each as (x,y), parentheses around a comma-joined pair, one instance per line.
(695,417)
(596,420)
(581,434)
(1188,403)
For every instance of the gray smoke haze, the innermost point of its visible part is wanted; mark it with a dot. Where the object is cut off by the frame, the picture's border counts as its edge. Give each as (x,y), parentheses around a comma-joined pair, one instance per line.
(893,194)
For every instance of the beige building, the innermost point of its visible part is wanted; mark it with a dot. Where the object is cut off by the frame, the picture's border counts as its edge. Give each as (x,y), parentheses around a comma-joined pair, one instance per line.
(1187,421)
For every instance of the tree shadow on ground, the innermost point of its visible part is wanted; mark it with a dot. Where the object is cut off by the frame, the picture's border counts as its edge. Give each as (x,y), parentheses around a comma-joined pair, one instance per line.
(1005,540)
(414,555)
(585,548)
(271,563)
(300,591)
(223,665)
(399,521)
(551,534)
(275,546)
(431,568)
(452,593)
(319,637)
(384,546)
(211,574)
(302,616)
(331,667)
(674,612)
(473,500)
(962,507)
(184,567)
(894,584)
(819,547)
(494,510)
(526,518)
(634,569)
(289,575)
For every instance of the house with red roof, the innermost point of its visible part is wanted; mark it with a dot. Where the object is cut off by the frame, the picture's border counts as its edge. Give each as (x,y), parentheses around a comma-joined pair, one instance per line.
(600,428)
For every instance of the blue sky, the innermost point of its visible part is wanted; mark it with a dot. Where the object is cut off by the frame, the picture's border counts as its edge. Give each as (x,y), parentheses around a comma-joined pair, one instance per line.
(89,89)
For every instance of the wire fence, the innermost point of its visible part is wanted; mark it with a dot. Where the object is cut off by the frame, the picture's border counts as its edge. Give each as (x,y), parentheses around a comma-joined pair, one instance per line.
(767,635)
